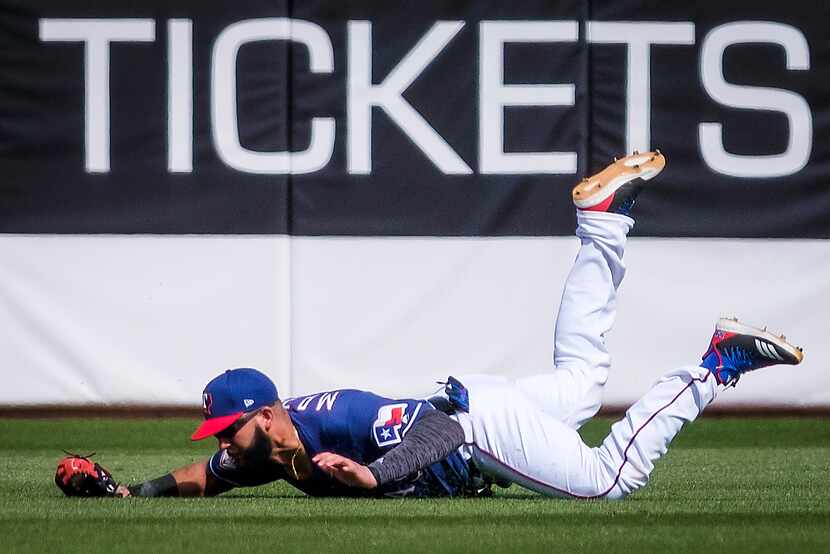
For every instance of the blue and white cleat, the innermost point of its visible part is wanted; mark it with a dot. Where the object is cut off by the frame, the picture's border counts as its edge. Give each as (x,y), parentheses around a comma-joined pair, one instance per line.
(736,349)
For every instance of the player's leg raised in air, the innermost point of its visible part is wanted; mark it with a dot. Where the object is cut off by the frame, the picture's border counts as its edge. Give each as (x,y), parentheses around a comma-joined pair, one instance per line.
(572,392)
(538,447)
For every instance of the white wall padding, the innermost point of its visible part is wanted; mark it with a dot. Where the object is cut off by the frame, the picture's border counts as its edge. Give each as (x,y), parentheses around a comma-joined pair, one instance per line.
(137,319)
(149,319)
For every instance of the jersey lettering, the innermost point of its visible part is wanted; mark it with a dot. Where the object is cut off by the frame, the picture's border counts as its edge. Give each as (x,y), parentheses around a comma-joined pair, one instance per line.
(327,399)
(301,407)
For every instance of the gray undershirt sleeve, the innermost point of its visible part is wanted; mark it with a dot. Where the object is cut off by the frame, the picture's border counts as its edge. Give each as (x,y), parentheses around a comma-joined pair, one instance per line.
(431,439)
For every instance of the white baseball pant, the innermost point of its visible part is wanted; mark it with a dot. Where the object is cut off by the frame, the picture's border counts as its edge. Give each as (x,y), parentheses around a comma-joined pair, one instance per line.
(525,431)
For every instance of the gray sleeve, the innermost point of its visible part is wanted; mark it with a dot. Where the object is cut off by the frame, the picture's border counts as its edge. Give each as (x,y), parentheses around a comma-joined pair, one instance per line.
(434,436)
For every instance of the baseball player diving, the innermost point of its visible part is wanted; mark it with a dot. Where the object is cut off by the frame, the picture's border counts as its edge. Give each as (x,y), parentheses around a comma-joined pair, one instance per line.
(479,431)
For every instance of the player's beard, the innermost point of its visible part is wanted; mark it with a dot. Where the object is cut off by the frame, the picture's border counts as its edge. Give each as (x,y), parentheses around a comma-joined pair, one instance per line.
(258,455)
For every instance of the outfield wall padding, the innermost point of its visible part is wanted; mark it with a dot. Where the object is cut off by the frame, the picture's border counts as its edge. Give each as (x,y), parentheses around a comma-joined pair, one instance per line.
(348,195)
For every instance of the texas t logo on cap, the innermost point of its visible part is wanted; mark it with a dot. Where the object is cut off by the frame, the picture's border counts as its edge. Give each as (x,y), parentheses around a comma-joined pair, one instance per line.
(228,396)
(207,401)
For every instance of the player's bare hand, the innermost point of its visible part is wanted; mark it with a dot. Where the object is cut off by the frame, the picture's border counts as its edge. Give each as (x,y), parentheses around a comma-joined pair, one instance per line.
(345,470)
(122,491)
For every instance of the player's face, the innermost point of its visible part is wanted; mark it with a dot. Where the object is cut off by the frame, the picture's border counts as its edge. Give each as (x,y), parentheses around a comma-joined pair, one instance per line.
(258,452)
(239,435)
(246,441)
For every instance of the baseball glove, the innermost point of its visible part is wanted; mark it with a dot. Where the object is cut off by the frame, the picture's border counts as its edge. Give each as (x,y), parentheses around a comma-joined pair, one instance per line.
(79,476)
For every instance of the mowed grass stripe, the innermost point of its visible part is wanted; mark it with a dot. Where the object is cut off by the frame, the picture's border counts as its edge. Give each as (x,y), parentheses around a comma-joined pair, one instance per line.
(738,485)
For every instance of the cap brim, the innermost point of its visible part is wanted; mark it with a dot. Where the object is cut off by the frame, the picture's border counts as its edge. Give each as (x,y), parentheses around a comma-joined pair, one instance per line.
(214,425)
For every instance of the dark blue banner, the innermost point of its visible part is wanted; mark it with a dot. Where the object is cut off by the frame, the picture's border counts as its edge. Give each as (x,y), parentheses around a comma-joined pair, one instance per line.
(456,120)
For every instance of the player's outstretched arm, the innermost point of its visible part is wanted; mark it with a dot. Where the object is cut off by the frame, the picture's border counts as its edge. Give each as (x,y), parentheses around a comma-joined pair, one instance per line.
(191,480)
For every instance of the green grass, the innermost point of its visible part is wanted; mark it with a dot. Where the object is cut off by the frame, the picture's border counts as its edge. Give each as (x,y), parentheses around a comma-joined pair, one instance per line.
(727,485)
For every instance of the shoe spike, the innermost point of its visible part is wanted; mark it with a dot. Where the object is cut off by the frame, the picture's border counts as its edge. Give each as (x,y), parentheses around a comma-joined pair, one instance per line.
(615,159)
(657,150)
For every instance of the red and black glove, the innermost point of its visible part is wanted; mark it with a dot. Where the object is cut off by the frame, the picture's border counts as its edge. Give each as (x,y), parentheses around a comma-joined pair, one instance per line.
(79,476)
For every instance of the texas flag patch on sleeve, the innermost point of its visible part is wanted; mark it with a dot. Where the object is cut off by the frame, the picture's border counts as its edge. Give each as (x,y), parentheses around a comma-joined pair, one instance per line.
(393,422)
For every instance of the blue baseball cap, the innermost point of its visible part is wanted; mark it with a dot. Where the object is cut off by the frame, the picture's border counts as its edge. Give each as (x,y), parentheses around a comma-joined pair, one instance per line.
(228,396)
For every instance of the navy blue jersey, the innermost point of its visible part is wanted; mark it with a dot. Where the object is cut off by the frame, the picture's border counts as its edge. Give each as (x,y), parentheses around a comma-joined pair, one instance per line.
(358,425)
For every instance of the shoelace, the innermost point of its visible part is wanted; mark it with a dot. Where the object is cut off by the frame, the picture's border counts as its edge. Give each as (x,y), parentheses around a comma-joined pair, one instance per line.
(740,357)
(739,360)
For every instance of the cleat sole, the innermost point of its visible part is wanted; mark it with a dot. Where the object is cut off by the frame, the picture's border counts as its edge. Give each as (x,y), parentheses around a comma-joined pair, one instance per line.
(593,190)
